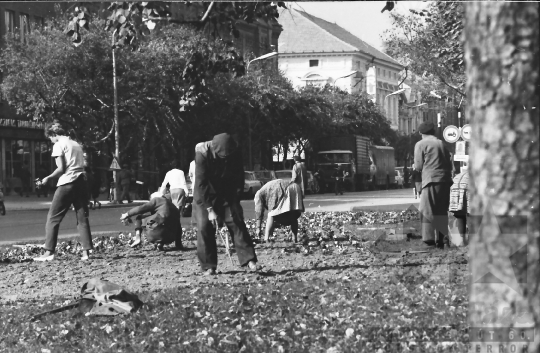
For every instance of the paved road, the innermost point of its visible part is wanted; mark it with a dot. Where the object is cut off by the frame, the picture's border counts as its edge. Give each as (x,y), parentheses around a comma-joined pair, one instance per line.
(20,224)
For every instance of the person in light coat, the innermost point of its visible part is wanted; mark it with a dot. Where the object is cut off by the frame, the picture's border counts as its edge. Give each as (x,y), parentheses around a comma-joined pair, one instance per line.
(433,160)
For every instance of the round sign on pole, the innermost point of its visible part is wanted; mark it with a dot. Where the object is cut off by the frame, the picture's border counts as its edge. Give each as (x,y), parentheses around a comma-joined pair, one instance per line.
(451,134)
(466,132)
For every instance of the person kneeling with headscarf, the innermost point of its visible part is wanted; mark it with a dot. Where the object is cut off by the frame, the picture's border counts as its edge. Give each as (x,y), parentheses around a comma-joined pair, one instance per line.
(283,200)
(162,222)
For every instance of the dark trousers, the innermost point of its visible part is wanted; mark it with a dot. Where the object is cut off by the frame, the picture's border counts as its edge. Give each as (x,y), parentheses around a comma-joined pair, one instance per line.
(25,187)
(125,193)
(434,202)
(338,187)
(76,194)
(233,218)
(159,235)
(178,197)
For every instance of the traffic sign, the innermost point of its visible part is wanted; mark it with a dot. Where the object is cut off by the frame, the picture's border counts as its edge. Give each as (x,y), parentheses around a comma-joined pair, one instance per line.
(460,148)
(451,134)
(115,165)
(461,158)
(466,131)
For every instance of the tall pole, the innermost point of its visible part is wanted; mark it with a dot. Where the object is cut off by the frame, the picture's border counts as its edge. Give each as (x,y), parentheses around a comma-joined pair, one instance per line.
(249,142)
(116,125)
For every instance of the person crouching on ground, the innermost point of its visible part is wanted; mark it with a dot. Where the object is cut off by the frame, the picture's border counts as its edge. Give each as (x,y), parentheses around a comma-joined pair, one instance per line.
(162,221)
(283,200)
(71,189)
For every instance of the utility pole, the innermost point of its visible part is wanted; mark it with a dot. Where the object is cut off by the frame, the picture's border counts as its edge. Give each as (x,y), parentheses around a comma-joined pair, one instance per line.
(116,125)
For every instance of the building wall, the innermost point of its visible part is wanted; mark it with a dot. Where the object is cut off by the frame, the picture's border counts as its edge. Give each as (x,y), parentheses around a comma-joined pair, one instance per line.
(255,38)
(21,140)
(296,67)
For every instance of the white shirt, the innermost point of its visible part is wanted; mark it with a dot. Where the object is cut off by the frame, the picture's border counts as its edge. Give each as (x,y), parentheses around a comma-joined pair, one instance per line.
(191,173)
(74,157)
(176,180)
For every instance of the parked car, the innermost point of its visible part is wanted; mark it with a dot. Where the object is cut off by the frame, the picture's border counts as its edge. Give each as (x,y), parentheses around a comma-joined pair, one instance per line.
(399,179)
(265,175)
(312,187)
(251,184)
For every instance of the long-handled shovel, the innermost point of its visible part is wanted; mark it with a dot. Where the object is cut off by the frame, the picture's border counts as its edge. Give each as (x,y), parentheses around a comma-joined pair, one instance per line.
(57,310)
(225,241)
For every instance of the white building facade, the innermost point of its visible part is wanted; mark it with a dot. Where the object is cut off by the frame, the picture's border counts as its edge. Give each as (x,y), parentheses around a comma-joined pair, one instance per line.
(314,51)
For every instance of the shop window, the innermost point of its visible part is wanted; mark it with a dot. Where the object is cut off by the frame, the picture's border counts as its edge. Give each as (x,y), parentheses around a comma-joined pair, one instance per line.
(9,20)
(313,63)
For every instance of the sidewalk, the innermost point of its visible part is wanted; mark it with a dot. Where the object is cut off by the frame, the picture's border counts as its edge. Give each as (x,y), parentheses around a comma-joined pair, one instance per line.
(34,203)
(355,203)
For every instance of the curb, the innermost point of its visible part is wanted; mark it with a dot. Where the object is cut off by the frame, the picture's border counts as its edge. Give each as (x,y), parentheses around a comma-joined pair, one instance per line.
(386,208)
(133,204)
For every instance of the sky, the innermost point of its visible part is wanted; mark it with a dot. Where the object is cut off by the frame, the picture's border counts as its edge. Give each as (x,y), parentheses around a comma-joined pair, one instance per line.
(362,18)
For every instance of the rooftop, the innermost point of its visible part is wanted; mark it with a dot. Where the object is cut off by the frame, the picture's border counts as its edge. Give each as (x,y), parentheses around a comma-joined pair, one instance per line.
(300,29)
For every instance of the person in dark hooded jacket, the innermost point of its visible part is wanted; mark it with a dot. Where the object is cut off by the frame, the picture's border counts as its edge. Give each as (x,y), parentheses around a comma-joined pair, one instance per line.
(219,182)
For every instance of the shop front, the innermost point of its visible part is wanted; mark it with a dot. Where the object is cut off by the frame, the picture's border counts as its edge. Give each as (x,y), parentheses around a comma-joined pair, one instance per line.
(24,154)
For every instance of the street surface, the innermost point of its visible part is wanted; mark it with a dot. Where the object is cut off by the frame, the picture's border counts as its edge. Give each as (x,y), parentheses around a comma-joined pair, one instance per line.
(25,218)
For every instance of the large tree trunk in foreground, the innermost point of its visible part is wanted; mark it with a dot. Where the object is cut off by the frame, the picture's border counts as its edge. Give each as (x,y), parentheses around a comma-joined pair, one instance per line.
(503,63)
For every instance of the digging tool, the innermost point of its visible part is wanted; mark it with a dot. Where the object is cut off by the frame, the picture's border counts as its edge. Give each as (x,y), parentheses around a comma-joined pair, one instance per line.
(57,310)
(226,242)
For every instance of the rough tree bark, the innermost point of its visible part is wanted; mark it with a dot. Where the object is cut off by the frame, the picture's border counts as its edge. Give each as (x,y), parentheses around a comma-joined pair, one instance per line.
(502,42)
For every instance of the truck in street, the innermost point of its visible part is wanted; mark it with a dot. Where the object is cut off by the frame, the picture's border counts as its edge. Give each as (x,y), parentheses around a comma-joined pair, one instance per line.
(369,166)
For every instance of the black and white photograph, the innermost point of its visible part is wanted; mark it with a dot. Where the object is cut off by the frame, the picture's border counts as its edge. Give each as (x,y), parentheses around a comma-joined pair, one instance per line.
(309,176)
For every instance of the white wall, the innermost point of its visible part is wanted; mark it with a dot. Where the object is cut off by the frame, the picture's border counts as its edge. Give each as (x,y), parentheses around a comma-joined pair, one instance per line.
(330,67)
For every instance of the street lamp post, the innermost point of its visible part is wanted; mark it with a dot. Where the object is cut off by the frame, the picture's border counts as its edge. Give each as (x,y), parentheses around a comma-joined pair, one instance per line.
(391,94)
(262,57)
(344,76)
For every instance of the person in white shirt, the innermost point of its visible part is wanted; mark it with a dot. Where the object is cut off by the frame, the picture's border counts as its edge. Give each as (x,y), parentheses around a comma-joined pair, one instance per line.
(191,174)
(71,189)
(178,188)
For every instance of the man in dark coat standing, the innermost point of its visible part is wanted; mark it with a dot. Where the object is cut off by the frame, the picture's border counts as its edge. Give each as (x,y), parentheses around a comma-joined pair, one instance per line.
(219,182)
(433,160)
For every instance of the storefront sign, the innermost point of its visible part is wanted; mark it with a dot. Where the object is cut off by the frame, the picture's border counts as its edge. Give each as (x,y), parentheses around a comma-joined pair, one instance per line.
(461,158)
(27,124)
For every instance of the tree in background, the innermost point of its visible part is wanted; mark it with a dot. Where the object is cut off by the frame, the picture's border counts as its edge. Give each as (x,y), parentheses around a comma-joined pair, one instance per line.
(429,43)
